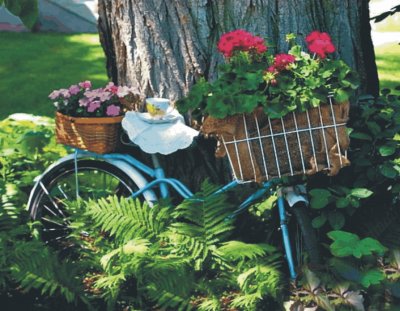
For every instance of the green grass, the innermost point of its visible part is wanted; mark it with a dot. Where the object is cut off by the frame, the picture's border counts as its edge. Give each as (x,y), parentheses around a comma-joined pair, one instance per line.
(34,64)
(388,62)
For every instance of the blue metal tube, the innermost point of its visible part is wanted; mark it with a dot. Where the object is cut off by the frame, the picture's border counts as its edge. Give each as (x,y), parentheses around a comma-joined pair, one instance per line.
(285,235)
(160,181)
(124,157)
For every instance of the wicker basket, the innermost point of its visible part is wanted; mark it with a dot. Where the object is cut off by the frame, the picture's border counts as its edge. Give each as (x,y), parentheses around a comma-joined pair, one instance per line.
(260,148)
(98,135)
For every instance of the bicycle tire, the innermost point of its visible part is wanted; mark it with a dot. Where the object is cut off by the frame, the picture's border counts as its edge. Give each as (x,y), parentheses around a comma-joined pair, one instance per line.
(53,230)
(308,233)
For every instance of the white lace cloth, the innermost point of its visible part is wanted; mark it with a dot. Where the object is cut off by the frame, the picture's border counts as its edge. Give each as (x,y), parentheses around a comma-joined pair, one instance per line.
(152,135)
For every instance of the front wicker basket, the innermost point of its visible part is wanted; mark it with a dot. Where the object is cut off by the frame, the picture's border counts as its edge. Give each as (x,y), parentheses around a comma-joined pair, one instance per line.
(99,135)
(260,148)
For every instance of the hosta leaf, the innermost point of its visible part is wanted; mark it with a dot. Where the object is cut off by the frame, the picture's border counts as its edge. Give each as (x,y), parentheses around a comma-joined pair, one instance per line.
(361,193)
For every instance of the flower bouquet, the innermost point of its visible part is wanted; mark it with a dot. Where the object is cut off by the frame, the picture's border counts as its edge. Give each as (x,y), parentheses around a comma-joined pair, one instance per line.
(90,119)
(276,115)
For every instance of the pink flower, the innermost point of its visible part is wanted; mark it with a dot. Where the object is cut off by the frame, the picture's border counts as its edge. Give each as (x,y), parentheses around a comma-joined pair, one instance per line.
(93,106)
(65,93)
(124,91)
(85,84)
(53,95)
(113,110)
(74,89)
(83,102)
(111,88)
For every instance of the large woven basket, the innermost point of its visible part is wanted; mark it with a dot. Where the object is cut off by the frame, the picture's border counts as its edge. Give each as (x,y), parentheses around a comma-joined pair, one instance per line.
(260,148)
(99,135)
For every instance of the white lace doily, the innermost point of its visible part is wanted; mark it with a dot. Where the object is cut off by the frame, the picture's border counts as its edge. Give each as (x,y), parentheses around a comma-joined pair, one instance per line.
(155,135)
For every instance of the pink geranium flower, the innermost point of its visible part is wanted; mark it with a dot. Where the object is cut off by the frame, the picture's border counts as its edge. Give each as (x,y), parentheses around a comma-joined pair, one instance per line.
(113,110)
(74,89)
(85,84)
(93,106)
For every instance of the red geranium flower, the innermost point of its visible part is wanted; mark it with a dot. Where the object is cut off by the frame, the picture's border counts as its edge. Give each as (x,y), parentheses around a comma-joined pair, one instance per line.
(282,61)
(320,43)
(240,40)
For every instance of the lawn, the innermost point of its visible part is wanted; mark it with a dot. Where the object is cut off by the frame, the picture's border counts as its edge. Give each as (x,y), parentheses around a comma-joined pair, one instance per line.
(33,64)
(388,62)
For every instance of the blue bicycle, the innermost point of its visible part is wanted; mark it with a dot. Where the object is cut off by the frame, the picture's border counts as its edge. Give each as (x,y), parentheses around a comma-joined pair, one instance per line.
(86,175)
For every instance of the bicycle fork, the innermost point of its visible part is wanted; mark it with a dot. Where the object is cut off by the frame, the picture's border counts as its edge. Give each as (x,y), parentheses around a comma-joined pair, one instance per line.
(292,195)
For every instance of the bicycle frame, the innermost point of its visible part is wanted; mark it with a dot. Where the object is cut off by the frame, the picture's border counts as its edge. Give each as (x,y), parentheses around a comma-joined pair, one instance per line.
(135,170)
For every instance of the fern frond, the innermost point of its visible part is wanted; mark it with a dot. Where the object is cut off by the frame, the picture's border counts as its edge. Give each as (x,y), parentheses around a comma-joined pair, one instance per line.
(260,280)
(209,304)
(40,269)
(202,223)
(126,219)
(132,247)
(237,250)
(168,301)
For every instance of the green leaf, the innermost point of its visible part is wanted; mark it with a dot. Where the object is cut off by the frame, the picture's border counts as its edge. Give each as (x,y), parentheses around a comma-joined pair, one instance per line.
(372,277)
(343,244)
(342,202)
(361,193)
(336,220)
(388,170)
(386,151)
(347,244)
(346,269)
(360,135)
(319,221)
(319,198)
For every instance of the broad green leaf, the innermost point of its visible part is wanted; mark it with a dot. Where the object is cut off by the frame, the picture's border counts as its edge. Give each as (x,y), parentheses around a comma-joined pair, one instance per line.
(342,202)
(346,269)
(361,136)
(372,277)
(386,151)
(336,220)
(319,221)
(361,193)
(347,244)
(319,198)
(343,244)
(388,170)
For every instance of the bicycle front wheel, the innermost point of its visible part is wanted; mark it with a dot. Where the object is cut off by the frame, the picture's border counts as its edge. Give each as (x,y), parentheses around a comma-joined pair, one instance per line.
(50,201)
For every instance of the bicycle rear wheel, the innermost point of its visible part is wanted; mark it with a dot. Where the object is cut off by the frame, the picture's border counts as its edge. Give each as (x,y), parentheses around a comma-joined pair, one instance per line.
(50,201)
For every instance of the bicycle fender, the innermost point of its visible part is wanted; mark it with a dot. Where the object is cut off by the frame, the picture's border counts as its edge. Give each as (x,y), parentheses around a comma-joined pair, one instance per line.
(133,173)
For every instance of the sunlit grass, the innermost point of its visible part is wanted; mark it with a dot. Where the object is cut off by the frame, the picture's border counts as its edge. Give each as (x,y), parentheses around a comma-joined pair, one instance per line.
(388,62)
(34,64)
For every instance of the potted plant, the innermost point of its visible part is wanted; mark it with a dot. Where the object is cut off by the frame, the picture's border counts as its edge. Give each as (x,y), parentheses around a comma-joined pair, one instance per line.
(263,106)
(89,118)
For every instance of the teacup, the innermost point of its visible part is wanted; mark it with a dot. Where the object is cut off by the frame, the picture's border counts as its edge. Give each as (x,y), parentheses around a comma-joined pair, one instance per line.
(157,107)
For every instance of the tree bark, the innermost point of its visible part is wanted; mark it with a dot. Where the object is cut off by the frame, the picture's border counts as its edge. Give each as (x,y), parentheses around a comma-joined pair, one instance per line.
(162,47)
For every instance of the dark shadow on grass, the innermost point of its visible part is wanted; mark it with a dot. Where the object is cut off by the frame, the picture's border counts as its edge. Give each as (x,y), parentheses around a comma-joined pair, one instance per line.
(32,65)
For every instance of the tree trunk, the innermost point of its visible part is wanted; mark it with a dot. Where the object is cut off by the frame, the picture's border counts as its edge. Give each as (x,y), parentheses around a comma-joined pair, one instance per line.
(163,47)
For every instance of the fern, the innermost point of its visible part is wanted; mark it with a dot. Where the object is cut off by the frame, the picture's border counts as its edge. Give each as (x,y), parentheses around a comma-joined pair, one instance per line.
(237,250)
(203,222)
(36,267)
(126,219)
